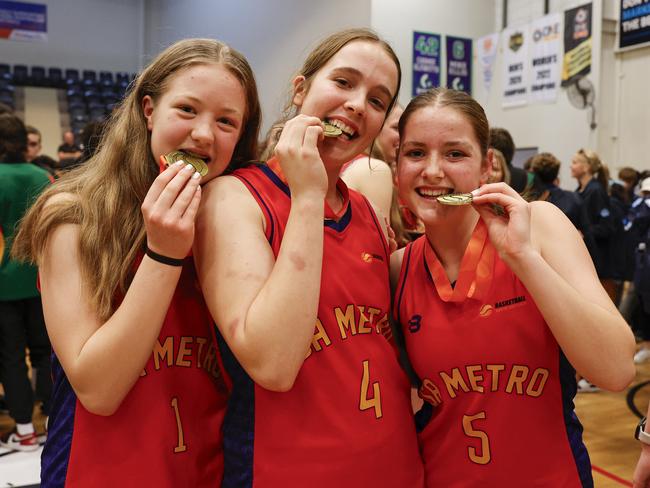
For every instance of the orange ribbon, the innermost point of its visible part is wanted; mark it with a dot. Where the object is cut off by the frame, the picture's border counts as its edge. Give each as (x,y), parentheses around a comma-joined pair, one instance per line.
(475,275)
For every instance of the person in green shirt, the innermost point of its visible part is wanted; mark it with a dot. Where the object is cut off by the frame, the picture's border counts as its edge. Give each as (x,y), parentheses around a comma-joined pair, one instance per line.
(21,314)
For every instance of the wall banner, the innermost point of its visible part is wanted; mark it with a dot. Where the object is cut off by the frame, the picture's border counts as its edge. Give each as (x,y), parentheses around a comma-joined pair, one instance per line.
(459,64)
(486,48)
(577,44)
(634,23)
(426,62)
(23,21)
(545,58)
(515,66)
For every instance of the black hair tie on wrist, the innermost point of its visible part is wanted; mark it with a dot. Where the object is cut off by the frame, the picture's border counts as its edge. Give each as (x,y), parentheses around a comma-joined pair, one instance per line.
(163,259)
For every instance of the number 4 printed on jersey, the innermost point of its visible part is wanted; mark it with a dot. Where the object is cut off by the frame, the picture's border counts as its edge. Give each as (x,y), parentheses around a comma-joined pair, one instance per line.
(366,403)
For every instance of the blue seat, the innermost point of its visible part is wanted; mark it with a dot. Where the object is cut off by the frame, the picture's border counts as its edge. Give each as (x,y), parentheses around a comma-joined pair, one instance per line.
(72,76)
(38,76)
(21,74)
(8,100)
(98,114)
(56,77)
(5,72)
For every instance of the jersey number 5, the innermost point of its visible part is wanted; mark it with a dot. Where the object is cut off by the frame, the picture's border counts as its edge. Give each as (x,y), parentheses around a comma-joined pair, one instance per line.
(366,403)
(484,456)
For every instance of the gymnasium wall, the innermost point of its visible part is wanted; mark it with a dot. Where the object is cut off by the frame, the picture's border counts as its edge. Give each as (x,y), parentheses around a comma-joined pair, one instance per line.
(275,36)
(90,34)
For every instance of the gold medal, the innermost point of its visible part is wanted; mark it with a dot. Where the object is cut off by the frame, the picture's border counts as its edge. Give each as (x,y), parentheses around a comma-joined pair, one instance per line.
(197,163)
(330,130)
(455,199)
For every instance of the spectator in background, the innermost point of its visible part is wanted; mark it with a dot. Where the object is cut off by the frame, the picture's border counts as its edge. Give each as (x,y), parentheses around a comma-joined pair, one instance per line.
(502,140)
(499,171)
(630,178)
(48,164)
(68,152)
(593,183)
(546,167)
(639,218)
(34,145)
(21,315)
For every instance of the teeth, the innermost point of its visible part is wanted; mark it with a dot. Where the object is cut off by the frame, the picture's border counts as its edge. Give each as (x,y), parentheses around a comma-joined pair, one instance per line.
(431,193)
(347,129)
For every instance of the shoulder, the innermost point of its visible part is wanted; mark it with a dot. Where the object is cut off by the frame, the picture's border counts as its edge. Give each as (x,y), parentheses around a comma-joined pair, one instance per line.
(396,260)
(226,196)
(548,222)
(367,165)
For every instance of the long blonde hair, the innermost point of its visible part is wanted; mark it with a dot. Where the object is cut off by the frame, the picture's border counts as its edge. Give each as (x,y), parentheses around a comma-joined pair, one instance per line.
(108,190)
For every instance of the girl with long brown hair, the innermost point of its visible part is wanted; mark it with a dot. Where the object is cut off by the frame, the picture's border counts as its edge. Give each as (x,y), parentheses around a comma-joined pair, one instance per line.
(294,267)
(135,364)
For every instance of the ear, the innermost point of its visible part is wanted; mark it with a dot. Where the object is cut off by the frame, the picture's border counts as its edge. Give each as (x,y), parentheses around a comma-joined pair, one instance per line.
(147,110)
(299,90)
(486,166)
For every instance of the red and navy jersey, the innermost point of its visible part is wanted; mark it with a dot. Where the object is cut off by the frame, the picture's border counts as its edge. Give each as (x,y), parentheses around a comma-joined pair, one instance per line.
(167,431)
(497,388)
(347,421)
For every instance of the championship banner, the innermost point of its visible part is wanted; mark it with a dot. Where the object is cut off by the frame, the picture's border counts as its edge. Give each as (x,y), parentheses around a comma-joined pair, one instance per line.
(459,64)
(23,21)
(577,43)
(426,62)
(634,23)
(515,66)
(545,58)
(486,48)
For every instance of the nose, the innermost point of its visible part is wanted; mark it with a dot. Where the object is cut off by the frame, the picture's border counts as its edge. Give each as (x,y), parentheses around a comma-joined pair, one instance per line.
(433,169)
(202,132)
(356,102)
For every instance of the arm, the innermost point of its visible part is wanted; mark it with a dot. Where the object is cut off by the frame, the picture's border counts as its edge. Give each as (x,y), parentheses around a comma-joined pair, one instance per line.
(373,179)
(266,308)
(545,251)
(103,360)
(641,478)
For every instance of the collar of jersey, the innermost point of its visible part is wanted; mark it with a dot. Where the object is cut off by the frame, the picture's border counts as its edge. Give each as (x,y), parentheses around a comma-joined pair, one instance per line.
(475,273)
(278,178)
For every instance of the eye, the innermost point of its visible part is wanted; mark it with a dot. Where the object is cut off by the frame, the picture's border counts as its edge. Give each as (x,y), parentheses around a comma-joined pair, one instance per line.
(455,154)
(186,108)
(342,82)
(379,103)
(414,153)
(228,122)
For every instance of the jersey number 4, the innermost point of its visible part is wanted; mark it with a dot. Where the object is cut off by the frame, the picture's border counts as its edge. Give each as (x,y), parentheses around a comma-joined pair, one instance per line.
(366,403)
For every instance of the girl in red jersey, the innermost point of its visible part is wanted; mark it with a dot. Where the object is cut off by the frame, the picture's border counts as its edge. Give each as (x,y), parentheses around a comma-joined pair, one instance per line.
(318,396)
(498,302)
(139,396)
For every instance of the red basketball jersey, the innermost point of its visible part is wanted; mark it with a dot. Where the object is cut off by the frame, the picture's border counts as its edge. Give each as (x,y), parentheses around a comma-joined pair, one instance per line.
(499,390)
(347,420)
(167,431)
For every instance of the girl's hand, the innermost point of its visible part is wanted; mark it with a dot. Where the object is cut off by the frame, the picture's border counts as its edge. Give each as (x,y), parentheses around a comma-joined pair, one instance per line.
(509,224)
(297,152)
(169,210)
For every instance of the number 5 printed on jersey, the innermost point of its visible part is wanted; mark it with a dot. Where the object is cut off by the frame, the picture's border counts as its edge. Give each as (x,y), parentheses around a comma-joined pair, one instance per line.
(483,455)
(366,403)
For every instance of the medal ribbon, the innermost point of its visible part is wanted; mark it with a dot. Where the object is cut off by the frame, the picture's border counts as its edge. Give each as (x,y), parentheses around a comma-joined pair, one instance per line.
(475,273)
(342,188)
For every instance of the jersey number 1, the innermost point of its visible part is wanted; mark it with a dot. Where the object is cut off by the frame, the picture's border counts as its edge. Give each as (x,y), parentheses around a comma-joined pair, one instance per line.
(366,403)
(181,446)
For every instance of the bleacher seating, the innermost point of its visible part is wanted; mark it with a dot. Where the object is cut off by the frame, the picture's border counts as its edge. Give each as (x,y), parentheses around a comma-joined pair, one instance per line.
(21,75)
(56,78)
(38,76)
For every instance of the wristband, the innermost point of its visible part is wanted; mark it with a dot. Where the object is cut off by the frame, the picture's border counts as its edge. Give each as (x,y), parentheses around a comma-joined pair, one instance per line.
(163,259)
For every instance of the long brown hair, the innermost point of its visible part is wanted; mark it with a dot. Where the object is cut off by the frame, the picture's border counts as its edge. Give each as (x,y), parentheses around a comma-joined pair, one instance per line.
(105,194)
(317,58)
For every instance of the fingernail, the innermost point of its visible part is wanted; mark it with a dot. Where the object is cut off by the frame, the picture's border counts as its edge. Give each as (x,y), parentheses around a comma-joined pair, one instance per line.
(196,175)
(189,166)
(179,163)
(475,192)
